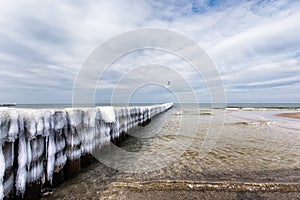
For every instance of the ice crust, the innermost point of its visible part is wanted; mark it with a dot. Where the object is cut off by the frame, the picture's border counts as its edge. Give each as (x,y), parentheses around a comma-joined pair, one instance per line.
(55,136)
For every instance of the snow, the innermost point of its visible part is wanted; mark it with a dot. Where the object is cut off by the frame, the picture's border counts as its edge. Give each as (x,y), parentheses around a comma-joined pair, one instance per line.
(107,114)
(75,117)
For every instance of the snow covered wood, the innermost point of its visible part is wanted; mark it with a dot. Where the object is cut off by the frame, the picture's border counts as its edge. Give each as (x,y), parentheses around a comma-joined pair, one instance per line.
(36,143)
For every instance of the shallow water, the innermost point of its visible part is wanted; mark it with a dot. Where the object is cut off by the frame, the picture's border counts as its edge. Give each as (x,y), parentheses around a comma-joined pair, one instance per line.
(254,146)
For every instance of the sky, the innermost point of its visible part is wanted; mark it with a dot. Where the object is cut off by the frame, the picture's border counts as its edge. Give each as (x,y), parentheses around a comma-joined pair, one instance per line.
(255,46)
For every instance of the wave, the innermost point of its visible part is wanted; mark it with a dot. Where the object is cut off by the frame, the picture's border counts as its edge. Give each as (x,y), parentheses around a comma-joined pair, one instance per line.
(208,185)
(261,108)
(253,123)
(190,113)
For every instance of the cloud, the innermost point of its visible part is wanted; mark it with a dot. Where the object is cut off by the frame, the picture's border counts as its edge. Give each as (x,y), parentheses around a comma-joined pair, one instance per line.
(43,45)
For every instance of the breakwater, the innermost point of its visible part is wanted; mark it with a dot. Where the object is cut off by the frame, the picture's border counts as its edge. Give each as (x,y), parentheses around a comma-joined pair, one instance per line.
(42,147)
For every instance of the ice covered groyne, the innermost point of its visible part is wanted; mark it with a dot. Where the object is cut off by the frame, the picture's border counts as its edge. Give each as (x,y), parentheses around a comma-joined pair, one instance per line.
(42,147)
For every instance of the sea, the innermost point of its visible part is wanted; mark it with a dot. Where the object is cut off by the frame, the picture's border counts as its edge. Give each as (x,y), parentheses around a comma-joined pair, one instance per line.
(201,105)
(244,143)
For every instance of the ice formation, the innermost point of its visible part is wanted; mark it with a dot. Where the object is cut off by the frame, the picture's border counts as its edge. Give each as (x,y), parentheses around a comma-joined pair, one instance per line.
(45,139)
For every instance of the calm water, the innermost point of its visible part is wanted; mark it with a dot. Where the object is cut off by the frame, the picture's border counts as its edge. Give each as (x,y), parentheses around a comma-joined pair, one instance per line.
(201,105)
(255,145)
(255,140)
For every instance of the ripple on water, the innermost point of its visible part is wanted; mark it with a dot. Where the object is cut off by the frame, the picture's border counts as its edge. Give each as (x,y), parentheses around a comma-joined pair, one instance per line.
(245,152)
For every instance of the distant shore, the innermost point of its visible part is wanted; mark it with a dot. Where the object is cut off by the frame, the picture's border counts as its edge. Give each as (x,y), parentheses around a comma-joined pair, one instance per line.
(8,104)
(290,115)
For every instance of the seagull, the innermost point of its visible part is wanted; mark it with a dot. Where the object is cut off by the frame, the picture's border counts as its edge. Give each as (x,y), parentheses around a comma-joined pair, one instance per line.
(168,85)
(178,113)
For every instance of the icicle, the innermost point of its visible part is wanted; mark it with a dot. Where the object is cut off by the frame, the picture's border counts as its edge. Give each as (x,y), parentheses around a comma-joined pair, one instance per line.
(34,151)
(22,161)
(75,120)
(29,155)
(71,140)
(47,123)
(75,117)
(87,133)
(21,123)
(4,121)
(13,126)
(51,157)
(74,154)
(40,124)
(60,143)
(46,142)
(30,124)
(60,120)
(9,161)
(8,186)
(60,160)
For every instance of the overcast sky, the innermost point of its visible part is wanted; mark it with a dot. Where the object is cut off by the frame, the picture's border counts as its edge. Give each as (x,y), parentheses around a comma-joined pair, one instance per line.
(255,46)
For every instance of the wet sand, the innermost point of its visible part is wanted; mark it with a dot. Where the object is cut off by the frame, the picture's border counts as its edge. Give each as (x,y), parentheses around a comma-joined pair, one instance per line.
(203,195)
(199,190)
(100,182)
(290,115)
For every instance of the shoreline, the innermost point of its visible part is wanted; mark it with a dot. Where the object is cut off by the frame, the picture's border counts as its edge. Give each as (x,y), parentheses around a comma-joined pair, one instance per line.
(295,115)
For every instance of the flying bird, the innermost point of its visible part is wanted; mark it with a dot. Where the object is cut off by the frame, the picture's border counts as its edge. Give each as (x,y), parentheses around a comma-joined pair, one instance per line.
(168,85)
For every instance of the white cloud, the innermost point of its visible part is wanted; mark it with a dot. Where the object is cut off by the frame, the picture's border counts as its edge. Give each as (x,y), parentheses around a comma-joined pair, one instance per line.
(43,44)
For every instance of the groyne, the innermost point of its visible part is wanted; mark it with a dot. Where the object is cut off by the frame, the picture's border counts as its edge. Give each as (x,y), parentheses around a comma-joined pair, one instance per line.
(40,148)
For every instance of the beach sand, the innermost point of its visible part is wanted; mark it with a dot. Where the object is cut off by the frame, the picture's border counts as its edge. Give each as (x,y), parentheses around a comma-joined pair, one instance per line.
(290,115)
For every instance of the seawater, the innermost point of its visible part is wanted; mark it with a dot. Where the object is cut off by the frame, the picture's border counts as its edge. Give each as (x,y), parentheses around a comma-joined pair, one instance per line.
(254,145)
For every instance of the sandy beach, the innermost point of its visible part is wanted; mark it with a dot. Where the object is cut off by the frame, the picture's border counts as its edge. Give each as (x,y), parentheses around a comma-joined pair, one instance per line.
(290,115)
